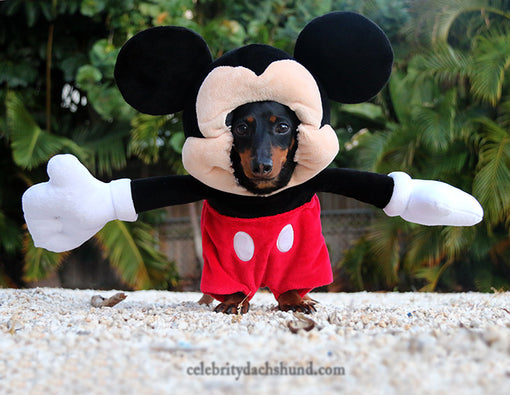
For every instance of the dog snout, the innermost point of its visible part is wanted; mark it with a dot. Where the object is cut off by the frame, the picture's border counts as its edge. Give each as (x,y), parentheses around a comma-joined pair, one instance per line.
(262,167)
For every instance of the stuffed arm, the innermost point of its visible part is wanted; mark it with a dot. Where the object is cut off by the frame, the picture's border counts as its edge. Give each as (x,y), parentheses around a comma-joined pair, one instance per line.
(70,208)
(420,201)
(157,192)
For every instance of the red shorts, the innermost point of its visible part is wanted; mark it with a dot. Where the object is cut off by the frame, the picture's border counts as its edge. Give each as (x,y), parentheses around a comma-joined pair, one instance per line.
(283,252)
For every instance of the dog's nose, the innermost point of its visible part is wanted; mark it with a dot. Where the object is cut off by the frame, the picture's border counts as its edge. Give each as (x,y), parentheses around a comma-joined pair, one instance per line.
(262,168)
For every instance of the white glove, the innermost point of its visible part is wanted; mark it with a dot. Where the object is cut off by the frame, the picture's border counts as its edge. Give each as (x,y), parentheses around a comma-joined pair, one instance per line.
(432,203)
(73,206)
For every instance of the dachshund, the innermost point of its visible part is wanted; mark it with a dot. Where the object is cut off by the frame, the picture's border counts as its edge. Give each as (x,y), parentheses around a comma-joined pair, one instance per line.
(265,141)
(257,175)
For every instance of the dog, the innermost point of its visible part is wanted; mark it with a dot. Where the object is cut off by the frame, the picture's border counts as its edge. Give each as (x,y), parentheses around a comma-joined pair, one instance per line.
(265,141)
(258,228)
(264,145)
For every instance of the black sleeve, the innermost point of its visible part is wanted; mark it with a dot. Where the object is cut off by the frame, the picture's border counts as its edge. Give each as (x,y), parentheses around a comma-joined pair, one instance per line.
(157,192)
(372,188)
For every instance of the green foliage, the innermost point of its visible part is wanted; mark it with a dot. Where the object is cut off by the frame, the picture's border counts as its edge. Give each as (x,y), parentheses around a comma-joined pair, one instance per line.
(489,66)
(444,115)
(92,7)
(441,21)
(157,138)
(39,263)
(132,249)
(451,122)
(96,79)
(32,146)
(492,180)
(74,44)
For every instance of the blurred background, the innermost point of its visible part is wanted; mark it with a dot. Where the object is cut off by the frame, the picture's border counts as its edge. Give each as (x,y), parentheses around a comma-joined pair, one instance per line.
(445,114)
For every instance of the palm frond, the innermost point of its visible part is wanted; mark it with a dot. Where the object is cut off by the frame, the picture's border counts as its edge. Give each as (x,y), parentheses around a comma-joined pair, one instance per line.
(370,148)
(453,9)
(504,113)
(384,152)
(437,17)
(492,181)
(487,281)
(457,241)
(31,146)
(145,142)
(132,249)
(450,11)
(424,250)
(110,153)
(366,270)
(38,262)
(491,61)
(443,63)
(447,165)
(413,89)
(107,147)
(435,123)
(400,150)
(435,249)
(432,275)
(466,127)
(385,237)
(157,138)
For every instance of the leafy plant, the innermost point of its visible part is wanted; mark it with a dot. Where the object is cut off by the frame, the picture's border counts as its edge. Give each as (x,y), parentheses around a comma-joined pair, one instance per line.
(445,114)
(450,122)
(82,113)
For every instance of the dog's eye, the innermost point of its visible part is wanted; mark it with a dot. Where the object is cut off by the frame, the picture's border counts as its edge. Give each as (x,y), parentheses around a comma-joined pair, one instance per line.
(282,128)
(241,129)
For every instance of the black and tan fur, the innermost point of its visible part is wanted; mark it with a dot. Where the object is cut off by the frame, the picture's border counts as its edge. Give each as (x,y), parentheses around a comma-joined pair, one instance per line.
(264,145)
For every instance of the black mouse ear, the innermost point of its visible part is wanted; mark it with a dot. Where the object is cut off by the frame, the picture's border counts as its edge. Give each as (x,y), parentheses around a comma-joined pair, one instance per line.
(157,68)
(349,54)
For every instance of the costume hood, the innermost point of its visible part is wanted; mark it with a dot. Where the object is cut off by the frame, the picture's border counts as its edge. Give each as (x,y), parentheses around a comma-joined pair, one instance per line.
(340,56)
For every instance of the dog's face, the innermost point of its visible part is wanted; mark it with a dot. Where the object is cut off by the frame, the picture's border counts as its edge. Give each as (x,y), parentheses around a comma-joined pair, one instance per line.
(264,145)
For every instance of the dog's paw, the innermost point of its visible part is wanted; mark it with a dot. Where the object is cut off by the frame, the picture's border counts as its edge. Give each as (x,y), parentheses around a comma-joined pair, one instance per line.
(292,301)
(306,306)
(232,308)
(234,304)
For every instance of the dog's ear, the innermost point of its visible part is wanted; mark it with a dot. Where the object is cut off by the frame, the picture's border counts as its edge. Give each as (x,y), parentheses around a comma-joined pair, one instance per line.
(349,55)
(157,68)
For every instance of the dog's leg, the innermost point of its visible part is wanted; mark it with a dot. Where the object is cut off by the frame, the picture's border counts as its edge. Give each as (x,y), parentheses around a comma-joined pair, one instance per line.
(291,301)
(234,304)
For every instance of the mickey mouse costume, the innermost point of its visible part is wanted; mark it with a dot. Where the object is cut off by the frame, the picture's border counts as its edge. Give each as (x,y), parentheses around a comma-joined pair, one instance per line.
(249,240)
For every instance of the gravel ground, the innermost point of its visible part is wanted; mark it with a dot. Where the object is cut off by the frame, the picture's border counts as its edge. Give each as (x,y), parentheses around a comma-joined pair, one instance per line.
(54,341)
